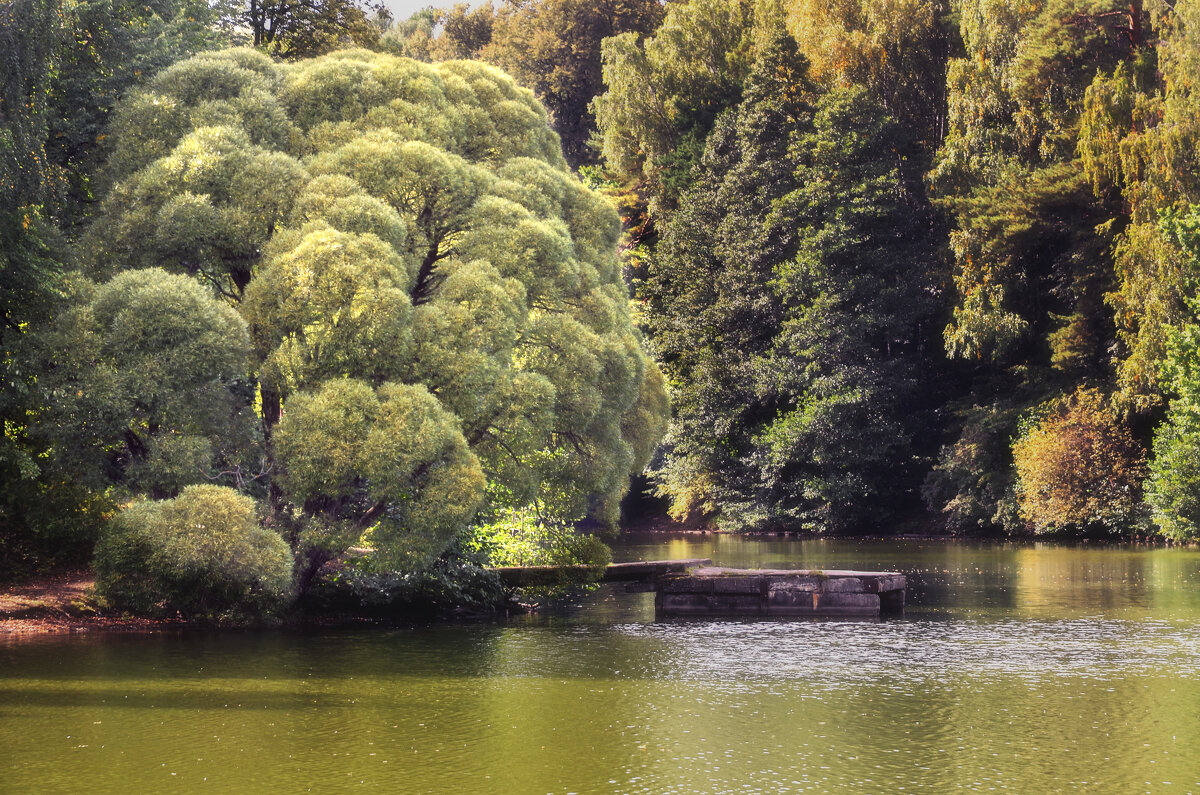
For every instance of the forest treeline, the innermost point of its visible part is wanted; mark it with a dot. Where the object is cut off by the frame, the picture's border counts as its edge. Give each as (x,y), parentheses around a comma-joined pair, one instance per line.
(923,265)
(312,278)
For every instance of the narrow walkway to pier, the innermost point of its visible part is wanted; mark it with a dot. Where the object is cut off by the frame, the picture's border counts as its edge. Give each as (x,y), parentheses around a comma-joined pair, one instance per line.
(645,571)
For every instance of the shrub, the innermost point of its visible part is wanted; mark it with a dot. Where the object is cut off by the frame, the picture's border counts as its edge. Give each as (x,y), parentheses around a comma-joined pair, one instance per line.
(1078,468)
(971,483)
(525,538)
(1174,488)
(202,554)
(457,581)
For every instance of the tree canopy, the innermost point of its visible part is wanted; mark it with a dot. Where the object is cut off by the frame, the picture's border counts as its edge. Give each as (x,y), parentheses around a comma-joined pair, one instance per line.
(431,302)
(550,46)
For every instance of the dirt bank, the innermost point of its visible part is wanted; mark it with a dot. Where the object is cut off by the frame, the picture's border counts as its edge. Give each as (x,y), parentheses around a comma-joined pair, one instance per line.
(60,602)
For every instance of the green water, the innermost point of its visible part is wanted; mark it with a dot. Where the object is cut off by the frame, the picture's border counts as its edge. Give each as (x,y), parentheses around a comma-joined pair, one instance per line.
(1018,668)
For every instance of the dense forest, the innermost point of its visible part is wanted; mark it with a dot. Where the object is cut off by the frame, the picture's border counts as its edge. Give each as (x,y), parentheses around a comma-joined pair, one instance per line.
(287,281)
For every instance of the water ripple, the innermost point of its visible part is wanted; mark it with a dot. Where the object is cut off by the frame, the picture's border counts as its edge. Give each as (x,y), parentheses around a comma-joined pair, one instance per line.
(850,652)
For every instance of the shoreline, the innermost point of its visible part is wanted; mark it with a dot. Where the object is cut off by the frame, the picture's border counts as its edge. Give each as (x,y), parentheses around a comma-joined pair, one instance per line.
(60,602)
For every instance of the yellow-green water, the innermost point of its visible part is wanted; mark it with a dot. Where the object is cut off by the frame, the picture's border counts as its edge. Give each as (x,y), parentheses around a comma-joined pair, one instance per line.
(1018,668)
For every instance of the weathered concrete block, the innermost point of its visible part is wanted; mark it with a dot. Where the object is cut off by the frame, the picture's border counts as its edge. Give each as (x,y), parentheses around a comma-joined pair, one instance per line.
(791,601)
(686,584)
(742,585)
(806,582)
(736,603)
(779,592)
(681,603)
(851,604)
(709,604)
(843,585)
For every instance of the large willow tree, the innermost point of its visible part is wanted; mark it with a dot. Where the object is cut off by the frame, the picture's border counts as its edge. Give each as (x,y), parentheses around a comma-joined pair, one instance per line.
(436,319)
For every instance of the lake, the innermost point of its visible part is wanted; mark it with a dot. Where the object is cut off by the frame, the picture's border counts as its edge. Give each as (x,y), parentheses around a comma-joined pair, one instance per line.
(1023,668)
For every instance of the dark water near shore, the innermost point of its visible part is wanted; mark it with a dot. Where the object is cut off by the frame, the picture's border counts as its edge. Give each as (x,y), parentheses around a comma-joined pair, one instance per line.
(1019,668)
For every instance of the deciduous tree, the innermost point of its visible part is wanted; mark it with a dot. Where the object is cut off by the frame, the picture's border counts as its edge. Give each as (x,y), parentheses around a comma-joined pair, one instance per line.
(434,301)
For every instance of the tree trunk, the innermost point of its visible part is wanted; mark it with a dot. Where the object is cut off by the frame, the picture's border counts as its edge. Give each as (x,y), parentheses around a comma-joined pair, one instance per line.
(271,411)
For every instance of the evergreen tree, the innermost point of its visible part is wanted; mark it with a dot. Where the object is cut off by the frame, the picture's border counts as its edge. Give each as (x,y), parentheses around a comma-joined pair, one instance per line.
(711,311)
(858,297)
(786,300)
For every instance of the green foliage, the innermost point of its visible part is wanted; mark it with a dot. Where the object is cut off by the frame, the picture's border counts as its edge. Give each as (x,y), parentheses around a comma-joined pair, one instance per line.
(413,37)
(458,580)
(202,554)
(1175,479)
(553,47)
(710,312)
(784,301)
(1026,225)
(31,287)
(65,64)
(1079,468)
(422,481)
(143,376)
(433,300)
(849,350)
(213,202)
(113,46)
(539,535)
(1173,492)
(306,28)
(667,91)
(1039,100)
(31,32)
(895,49)
(971,484)
(1139,140)
(465,31)
(46,520)
(526,538)
(550,46)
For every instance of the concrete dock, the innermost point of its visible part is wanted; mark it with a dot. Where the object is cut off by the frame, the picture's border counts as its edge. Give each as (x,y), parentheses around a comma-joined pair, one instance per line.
(696,588)
(712,591)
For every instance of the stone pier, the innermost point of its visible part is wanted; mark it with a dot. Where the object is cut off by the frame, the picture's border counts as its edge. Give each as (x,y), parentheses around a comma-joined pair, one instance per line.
(694,587)
(712,591)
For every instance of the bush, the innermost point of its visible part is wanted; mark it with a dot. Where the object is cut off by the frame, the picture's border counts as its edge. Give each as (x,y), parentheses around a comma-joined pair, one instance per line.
(1078,468)
(202,554)
(458,581)
(1174,488)
(522,537)
(971,484)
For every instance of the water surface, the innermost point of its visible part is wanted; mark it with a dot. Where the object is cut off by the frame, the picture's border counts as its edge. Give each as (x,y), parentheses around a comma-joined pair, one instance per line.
(1020,668)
